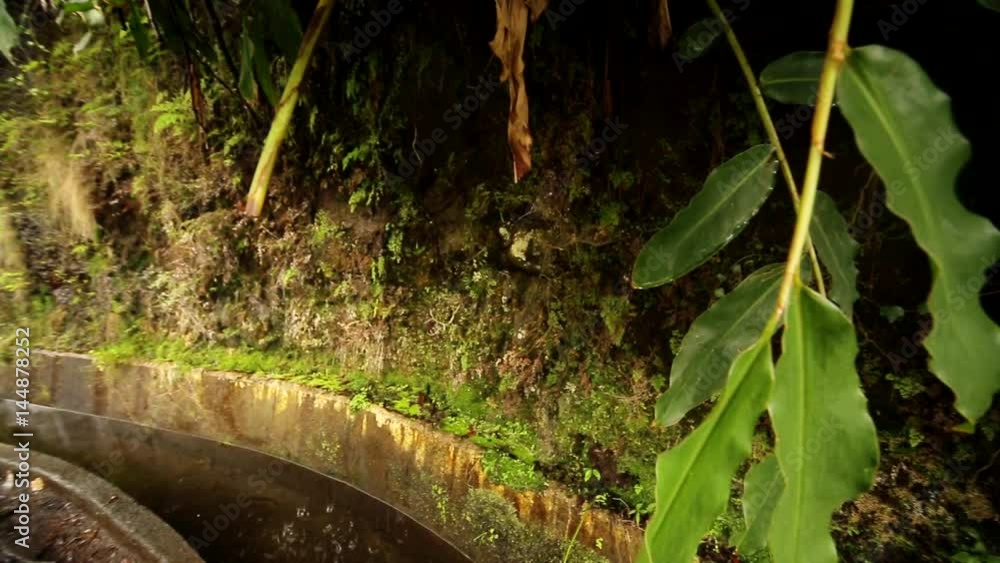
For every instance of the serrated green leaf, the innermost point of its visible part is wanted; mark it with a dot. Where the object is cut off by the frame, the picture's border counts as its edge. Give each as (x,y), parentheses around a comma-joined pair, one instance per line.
(991,4)
(793,79)
(9,33)
(837,251)
(700,38)
(762,487)
(693,479)
(903,125)
(825,440)
(731,196)
(246,82)
(714,341)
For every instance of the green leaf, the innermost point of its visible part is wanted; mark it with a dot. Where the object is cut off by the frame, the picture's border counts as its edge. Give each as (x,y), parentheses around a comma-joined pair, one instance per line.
(138,31)
(903,126)
(714,341)
(825,440)
(964,557)
(991,4)
(73,7)
(699,38)
(178,32)
(246,83)
(262,69)
(283,26)
(731,196)
(693,479)
(793,79)
(836,250)
(9,33)
(762,488)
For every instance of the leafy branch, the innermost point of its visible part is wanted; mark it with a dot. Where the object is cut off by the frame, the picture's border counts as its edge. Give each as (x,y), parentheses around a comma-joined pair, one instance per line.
(772,133)
(835,56)
(826,448)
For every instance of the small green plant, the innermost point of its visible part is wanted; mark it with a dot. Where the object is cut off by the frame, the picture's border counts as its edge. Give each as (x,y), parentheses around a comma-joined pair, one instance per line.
(489,537)
(324,229)
(512,472)
(640,510)
(440,502)
(404,405)
(173,114)
(360,401)
(907,386)
(611,215)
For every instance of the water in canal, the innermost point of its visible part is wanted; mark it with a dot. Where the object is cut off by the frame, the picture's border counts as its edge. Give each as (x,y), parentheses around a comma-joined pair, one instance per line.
(234,504)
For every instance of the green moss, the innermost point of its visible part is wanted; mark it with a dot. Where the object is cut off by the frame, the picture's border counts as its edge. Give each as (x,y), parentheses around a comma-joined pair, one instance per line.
(614,311)
(306,367)
(908,386)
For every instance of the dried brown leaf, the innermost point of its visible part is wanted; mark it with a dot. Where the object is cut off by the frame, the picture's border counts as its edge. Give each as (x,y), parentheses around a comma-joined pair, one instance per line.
(508,46)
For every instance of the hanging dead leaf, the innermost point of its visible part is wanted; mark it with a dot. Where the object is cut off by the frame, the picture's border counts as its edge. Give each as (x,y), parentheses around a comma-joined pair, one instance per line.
(661,28)
(508,46)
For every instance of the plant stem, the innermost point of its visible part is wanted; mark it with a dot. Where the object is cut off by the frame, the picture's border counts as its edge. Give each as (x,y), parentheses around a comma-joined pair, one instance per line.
(572,541)
(836,53)
(772,133)
(283,112)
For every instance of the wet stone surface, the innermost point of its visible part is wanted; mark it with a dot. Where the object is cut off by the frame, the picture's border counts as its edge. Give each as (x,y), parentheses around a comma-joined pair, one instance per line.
(60,531)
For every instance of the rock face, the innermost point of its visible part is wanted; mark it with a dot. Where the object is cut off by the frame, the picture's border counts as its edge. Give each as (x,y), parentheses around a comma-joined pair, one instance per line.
(429,474)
